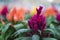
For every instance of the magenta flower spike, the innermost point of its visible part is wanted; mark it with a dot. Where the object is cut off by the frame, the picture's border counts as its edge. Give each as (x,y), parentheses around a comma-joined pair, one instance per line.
(37,22)
(58,17)
(4,10)
(39,10)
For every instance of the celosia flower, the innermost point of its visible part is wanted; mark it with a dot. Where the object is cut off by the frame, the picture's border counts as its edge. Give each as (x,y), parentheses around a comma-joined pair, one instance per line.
(4,11)
(33,11)
(58,17)
(12,16)
(37,22)
(50,11)
(21,13)
(16,15)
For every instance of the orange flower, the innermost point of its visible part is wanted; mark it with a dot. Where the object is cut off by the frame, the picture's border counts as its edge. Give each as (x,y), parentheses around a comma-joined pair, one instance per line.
(12,15)
(21,13)
(16,15)
(15,18)
(50,11)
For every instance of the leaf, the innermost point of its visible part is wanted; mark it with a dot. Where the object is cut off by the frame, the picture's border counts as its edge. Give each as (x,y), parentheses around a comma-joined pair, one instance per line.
(18,26)
(7,31)
(21,24)
(48,20)
(23,38)
(49,39)
(5,28)
(1,38)
(52,26)
(53,30)
(27,16)
(50,31)
(35,37)
(56,31)
(18,32)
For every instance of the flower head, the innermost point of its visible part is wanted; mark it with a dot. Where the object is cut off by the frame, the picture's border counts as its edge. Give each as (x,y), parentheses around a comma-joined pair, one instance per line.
(11,16)
(58,17)
(21,13)
(37,22)
(50,11)
(4,11)
(16,15)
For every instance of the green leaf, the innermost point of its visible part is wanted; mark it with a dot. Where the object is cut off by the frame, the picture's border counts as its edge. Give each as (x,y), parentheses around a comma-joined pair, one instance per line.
(35,37)
(18,26)
(52,26)
(5,28)
(7,31)
(48,20)
(53,30)
(56,31)
(50,31)
(18,32)
(27,16)
(49,39)
(23,38)
(1,38)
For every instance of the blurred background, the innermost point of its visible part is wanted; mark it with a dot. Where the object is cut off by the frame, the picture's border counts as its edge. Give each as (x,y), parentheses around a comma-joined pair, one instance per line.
(30,3)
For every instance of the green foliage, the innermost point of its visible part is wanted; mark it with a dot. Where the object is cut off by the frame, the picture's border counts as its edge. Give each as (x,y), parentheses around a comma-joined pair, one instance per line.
(49,20)
(17,31)
(7,31)
(49,39)
(23,38)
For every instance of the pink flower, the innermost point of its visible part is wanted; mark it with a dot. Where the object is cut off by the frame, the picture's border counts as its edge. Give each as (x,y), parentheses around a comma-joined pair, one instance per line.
(58,17)
(4,10)
(37,22)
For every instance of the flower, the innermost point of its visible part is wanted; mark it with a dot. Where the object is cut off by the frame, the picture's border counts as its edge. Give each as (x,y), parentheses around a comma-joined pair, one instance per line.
(33,11)
(4,10)
(37,22)
(12,16)
(50,11)
(21,13)
(58,17)
(16,15)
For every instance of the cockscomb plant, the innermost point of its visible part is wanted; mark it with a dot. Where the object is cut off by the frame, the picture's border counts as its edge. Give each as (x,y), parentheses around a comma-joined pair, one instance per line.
(37,22)
(46,28)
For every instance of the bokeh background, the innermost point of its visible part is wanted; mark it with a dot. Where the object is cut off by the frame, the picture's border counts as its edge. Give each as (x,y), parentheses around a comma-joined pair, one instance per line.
(30,3)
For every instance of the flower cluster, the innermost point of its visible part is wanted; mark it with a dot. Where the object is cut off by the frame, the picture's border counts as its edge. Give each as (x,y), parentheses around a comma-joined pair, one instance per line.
(37,22)
(16,14)
(58,17)
(50,11)
(4,11)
